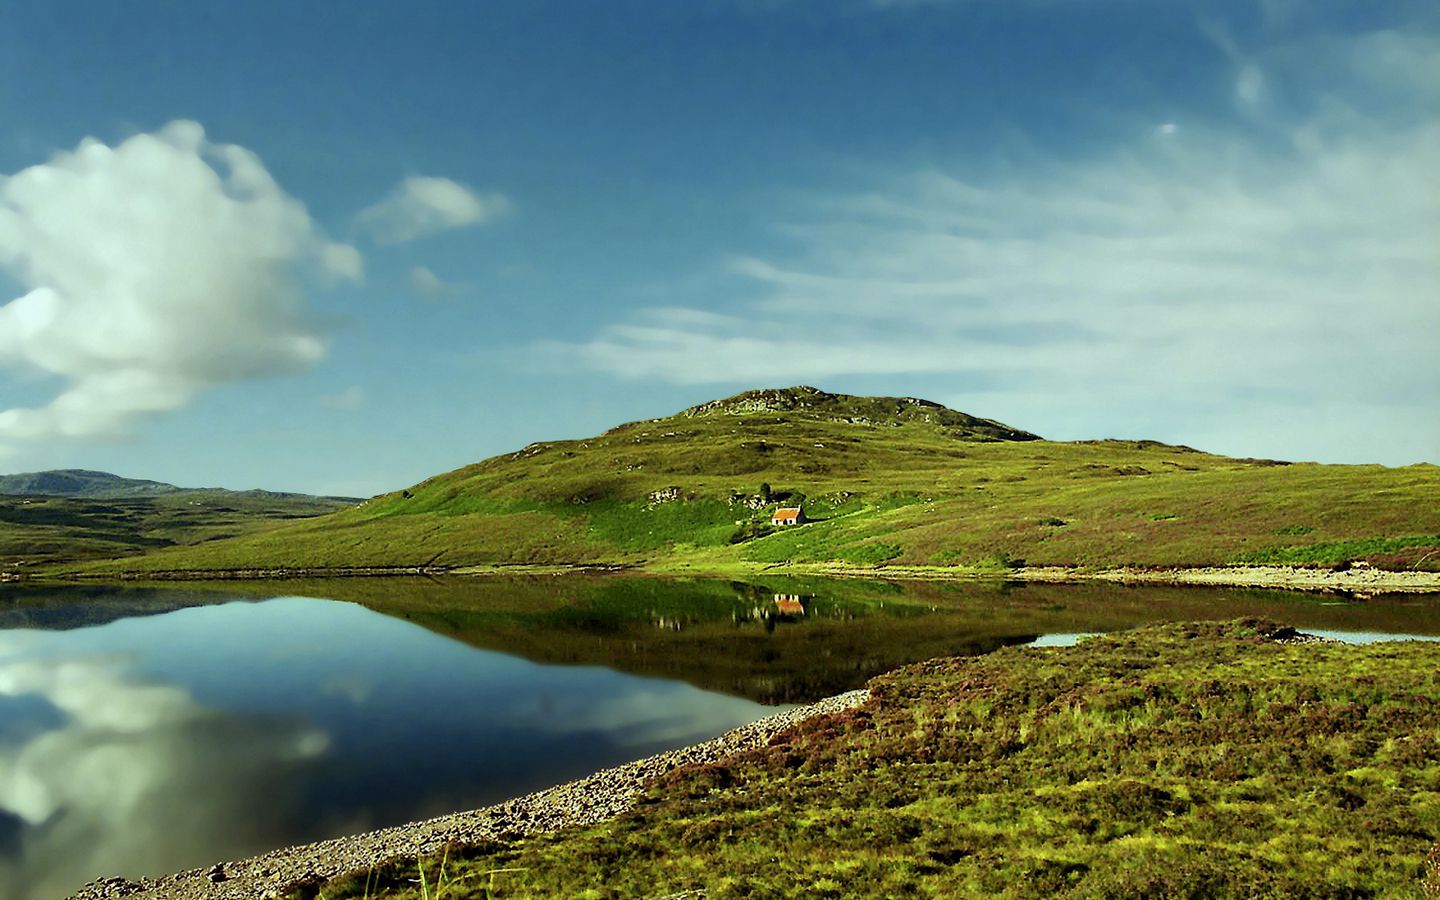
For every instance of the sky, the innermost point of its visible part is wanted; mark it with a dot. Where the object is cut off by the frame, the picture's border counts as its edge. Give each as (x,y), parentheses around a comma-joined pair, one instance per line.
(339,248)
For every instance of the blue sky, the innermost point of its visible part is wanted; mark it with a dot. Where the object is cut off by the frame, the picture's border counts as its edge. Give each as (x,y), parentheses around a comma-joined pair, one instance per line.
(457,228)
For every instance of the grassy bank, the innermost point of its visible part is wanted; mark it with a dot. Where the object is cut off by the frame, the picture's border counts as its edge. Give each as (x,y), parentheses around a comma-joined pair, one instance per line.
(1191,760)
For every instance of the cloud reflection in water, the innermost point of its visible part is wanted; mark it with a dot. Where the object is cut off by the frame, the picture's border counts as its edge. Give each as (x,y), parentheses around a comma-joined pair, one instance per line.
(136,774)
(152,744)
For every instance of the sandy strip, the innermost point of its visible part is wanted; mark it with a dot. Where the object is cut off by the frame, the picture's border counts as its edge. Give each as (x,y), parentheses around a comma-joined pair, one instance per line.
(587,801)
(1355,581)
(1359,581)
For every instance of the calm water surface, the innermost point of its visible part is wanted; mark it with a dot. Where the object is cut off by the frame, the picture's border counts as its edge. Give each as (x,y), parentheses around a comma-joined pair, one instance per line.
(143,731)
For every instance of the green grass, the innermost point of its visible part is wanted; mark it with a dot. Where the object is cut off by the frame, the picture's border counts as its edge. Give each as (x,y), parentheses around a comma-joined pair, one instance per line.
(1185,760)
(653,526)
(903,490)
(1341,551)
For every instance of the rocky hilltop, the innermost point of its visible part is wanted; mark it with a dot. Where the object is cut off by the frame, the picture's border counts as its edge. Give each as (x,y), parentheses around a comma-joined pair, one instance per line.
(805,402)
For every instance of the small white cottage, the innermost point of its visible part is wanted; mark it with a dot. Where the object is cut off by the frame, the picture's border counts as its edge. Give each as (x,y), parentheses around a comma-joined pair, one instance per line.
(789,515)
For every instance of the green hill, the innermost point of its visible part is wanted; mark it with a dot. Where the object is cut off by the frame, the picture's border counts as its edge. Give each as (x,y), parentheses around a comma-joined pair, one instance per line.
(882,480)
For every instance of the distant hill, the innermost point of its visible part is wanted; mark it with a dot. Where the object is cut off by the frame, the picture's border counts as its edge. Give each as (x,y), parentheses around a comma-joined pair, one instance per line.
(94,485)
(883,480)
(76,514)
(81,483)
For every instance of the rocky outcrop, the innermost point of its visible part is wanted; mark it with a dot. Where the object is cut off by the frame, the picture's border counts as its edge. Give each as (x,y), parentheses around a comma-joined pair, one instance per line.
(666,495)
(765,400)
(804,401)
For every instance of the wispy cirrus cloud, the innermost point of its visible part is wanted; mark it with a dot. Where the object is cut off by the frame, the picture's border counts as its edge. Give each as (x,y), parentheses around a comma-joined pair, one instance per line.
(153,270)
(351,398)
(1285,259)
(426,283)
(421,206)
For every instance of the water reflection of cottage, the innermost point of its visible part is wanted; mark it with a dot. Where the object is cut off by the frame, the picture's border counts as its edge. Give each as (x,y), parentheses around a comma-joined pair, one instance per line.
(789,605)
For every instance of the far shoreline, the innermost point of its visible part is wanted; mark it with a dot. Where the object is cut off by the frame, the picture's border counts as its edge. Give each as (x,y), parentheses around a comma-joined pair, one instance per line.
(1359,581)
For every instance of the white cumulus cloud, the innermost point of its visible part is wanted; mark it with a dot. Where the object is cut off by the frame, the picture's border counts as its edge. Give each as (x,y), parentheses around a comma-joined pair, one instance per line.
(152,270)
(420,206)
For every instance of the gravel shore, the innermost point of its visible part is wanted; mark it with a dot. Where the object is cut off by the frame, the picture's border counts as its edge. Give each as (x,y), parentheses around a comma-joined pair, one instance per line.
(1359,581)
(587,801)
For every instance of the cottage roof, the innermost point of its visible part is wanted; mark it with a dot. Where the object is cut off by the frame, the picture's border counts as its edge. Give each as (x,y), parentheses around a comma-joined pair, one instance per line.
(786,512)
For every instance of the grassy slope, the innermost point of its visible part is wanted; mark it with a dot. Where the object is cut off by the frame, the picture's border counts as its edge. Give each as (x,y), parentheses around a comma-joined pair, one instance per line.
(1191,760)
(914,488)
(39,530)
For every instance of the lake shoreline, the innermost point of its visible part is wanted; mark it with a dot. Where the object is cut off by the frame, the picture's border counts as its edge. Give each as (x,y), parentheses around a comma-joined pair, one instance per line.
(590,800)
(1359,581)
